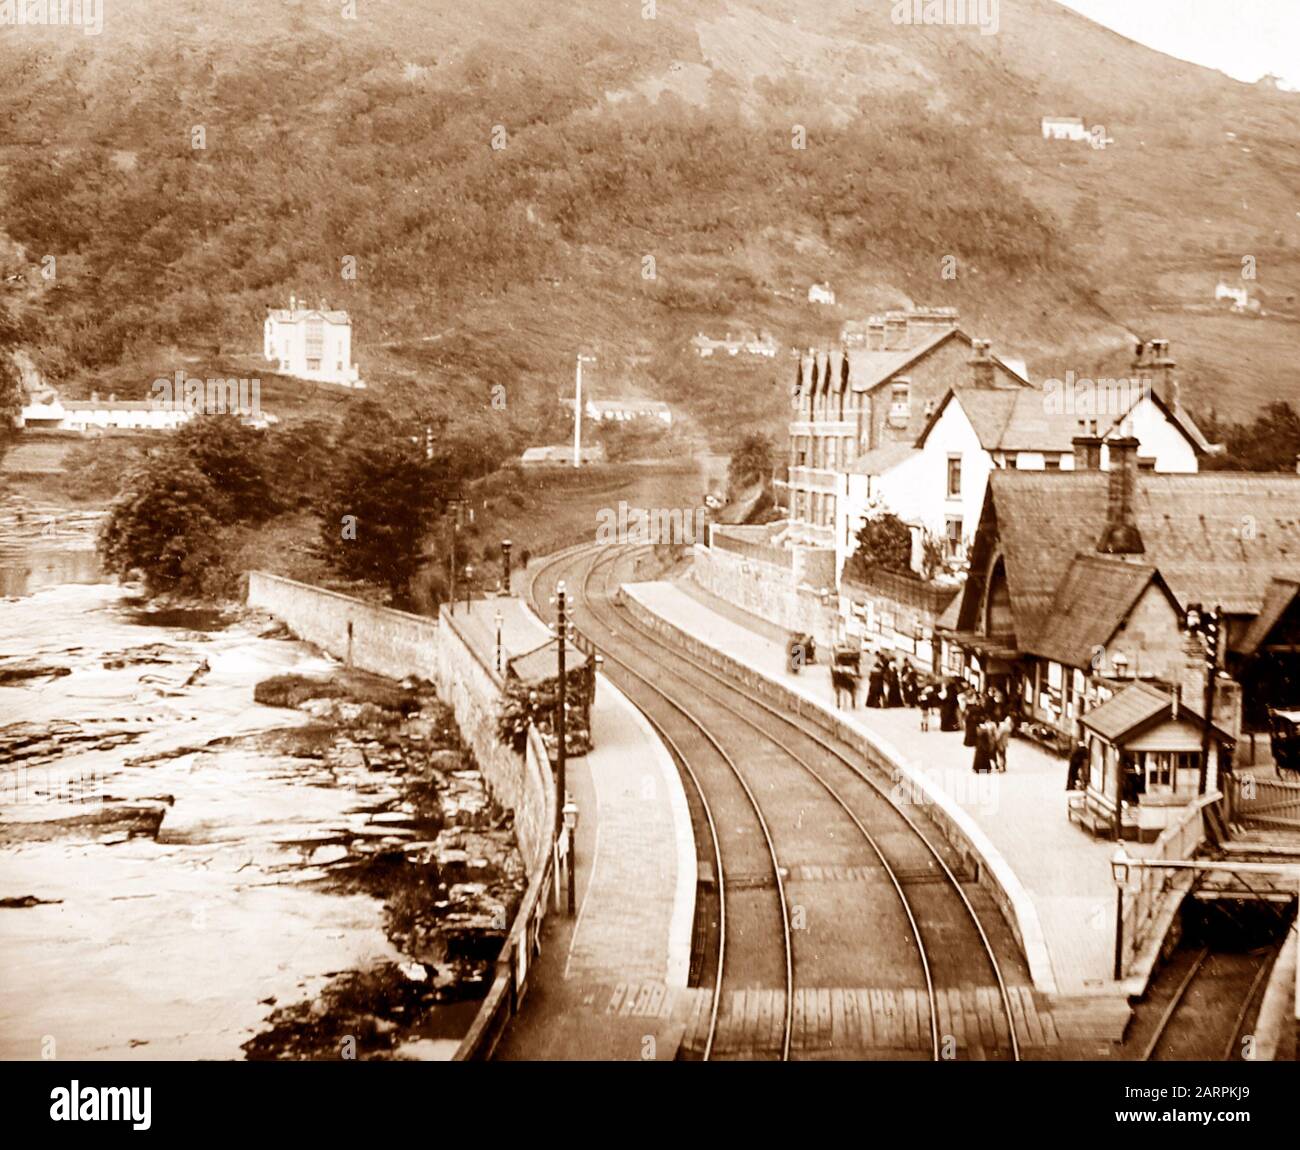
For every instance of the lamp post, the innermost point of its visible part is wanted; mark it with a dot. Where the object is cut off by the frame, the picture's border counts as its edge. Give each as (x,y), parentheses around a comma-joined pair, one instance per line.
(562,634)
(497,618)
(570,814)
(469,588)
(505,563)
(1119,872)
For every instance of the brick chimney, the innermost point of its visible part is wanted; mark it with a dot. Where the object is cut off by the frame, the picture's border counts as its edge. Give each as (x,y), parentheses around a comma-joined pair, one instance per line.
(1159,368)
(895,331)
(923,322)
(876,333)
(981,363)
(1121,536)
(1087,448)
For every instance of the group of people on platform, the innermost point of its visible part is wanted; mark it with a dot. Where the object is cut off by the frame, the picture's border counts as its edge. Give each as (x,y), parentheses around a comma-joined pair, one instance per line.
(986,717)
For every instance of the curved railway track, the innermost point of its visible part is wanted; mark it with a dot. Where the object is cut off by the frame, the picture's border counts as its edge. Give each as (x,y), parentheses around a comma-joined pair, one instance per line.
(852,809)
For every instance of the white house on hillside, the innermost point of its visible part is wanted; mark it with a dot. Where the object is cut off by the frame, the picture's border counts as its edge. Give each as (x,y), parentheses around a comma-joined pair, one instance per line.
(821,293)
(311,343)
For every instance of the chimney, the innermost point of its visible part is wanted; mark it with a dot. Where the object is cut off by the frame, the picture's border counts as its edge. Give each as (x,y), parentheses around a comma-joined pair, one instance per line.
(923,322)
(293,304)
(94,397)
(981,363)
(1160,369)
(875,334)
(895,331)
(1087,448)
(1121,536)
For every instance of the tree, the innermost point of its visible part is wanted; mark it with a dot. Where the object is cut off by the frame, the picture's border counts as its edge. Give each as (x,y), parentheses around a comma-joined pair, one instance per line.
(11,384)
(163,528)
(752,459)
(1270,443)
(884,543)
(380,498)
(231,456)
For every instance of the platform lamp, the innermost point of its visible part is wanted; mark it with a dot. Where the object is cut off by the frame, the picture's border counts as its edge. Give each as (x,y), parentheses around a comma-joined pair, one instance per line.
(498,618)
(570,814)
(1119,869)
(505,563)
(469,575)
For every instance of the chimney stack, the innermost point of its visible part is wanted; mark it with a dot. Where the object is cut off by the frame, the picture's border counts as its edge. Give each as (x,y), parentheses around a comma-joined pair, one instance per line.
(293,304)
(1087,448)
(1159,366)
(875,333)
(981,363)
(1121,536)
(895,326)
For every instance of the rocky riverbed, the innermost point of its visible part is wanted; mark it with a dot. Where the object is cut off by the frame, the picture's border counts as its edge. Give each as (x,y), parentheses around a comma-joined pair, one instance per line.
(216,843)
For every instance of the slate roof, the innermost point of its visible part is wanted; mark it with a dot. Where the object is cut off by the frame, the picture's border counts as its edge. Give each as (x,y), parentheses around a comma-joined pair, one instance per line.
(1215,537)
(1280,595)
(1138,705)
(1020,420)
(883,458)
(540,664)
(1093,599)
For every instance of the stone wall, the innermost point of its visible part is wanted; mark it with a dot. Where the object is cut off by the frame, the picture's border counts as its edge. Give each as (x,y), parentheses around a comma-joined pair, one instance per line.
(372,638)
(764,590)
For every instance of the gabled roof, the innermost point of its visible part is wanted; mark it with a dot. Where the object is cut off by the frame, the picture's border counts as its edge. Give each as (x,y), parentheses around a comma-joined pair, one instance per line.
(1278,598)
(883,458)
(1216,537)
(284,315)
(1093,599)
(1023,420)
(1141,705)
(540,664)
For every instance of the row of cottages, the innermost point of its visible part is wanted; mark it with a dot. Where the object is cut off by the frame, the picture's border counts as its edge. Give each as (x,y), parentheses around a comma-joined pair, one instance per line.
(627,410)
(936,484)
(46,411)
(311,343)
(1083,582)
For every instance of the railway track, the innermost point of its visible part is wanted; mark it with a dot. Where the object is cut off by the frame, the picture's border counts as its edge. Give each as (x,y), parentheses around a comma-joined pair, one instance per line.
(1214,997)
(827,829)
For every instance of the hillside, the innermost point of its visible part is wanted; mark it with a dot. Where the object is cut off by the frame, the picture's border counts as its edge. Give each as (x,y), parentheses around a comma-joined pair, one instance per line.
(627,138)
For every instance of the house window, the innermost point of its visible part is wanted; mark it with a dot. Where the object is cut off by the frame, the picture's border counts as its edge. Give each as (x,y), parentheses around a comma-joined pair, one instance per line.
(831,450)
(1010,460)
(1051,463)
(313,365)
(900,404)
(954,476)
(952,536)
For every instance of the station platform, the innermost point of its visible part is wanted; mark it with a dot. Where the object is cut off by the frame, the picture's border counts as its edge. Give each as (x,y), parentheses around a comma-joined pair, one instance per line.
(611,982)
(1056,876)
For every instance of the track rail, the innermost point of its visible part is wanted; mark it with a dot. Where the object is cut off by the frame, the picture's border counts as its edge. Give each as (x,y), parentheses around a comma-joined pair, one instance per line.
(683,760)
(629,625)
(952,880)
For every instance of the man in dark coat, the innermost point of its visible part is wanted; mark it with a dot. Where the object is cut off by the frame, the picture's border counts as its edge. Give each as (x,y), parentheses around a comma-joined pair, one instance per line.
(1074,781)
(876,684)
(985,742)
(975,715)
(893,688)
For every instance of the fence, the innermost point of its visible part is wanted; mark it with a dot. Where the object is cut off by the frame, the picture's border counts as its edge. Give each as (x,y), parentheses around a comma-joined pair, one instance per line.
(1145,904)
(760,552)
(1265,803)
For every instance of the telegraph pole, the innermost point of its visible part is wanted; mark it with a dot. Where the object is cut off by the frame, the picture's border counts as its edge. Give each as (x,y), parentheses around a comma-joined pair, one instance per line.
(577,409)
(1211,628)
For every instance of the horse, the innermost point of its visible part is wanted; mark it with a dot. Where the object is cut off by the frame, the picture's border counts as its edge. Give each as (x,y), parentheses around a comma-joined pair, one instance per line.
(845,682)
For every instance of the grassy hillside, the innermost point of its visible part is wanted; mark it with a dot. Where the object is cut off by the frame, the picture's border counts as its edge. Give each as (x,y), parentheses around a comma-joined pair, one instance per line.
(327,141)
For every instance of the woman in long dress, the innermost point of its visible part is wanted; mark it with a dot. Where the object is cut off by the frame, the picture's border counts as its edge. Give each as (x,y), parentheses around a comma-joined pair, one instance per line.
(893,688)
(974,717)
(985,743)
(948,718)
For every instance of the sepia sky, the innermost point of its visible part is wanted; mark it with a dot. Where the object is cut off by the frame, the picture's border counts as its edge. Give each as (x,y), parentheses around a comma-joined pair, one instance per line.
(1244,38)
